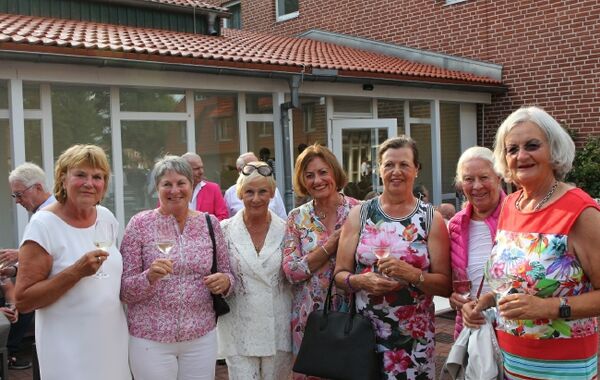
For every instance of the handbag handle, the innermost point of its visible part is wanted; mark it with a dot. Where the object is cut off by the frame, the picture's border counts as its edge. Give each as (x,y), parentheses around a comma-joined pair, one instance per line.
(213,268)
(327,305)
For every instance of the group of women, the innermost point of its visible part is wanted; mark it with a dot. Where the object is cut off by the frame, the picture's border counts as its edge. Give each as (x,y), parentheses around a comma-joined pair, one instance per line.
(393,252)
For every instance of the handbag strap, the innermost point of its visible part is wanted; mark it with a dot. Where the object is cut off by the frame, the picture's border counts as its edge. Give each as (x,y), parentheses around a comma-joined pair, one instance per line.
(213,269)
(327,305)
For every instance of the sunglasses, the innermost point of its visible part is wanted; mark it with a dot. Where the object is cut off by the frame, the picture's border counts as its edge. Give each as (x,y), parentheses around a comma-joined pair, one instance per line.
(19,194)
(264,170)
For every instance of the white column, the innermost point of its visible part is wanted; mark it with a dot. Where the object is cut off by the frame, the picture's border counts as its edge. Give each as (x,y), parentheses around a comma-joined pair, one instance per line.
(117,156)
(468,125)
(190,121)
(436,152)
(242,124)
(17,133)
(47,139)
(279,98)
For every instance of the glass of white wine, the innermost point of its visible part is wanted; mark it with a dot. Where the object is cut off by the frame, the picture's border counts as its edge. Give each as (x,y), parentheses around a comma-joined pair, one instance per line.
(166,236)
(104,238)
(381,253)
(501,284)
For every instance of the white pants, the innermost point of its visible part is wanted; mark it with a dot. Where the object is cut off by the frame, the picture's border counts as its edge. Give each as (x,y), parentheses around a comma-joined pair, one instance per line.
(189,360)
(278,367)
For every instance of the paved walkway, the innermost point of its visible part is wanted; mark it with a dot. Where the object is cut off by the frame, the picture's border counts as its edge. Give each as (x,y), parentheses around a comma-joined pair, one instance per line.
(444,330)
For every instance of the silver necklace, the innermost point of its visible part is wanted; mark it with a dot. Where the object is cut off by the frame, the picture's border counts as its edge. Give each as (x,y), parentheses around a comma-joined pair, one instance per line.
(540,203)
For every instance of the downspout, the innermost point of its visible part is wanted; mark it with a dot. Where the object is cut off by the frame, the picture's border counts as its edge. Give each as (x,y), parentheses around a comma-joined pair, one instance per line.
(294,102)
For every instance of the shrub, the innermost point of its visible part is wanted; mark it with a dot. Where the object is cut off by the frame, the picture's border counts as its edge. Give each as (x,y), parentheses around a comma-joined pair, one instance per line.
(586,167)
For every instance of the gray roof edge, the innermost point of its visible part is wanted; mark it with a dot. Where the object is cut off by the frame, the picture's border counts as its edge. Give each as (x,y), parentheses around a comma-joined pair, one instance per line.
(445,61)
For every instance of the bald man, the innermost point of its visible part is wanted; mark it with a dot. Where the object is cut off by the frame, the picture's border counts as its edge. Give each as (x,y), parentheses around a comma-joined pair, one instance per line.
(207,195)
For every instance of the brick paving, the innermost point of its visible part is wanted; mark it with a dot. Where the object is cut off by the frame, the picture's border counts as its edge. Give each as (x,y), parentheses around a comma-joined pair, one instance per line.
(444,330)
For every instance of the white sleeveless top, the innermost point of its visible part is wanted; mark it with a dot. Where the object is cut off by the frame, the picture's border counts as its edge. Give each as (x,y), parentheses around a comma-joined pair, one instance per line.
(83,335)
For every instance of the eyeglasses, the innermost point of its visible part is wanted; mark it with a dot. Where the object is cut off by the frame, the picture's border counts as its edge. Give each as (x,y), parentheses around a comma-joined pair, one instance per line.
(264,170)
(19,194)
(529,146)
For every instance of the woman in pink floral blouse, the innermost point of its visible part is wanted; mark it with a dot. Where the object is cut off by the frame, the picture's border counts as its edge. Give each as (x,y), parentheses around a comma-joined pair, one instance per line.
(171,318)
(312,234)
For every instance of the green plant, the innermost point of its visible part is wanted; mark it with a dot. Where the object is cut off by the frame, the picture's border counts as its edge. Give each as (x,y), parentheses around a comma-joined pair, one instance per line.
(586,167)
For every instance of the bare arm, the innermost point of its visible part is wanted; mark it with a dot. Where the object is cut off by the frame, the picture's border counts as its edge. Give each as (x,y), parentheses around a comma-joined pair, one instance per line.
(583,241)
(35,290)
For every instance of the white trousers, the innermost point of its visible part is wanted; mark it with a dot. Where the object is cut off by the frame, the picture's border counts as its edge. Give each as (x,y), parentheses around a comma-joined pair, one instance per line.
(189,360)
(278,367)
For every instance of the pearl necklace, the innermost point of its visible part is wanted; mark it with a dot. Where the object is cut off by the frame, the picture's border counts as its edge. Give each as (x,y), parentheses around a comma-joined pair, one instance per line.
(540,203)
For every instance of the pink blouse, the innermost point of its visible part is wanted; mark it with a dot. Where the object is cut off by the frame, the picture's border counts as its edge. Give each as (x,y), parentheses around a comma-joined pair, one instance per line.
(176,309)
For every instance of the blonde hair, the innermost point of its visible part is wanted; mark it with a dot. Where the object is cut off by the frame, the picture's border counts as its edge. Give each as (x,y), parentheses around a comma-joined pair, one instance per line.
(243,179)
(75,157)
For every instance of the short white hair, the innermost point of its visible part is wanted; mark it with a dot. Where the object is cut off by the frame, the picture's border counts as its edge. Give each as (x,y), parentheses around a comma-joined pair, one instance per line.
(243,160)
(28,174)
(243,179)
(562,147)
(474,152)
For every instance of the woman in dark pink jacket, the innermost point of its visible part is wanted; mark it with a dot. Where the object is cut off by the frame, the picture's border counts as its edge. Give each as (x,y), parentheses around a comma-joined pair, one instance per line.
(473,230)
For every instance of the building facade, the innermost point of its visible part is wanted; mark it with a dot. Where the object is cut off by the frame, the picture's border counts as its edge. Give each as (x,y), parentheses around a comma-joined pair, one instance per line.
(147,77)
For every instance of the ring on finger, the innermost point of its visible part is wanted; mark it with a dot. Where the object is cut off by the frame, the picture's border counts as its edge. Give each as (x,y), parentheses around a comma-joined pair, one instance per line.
(99,259)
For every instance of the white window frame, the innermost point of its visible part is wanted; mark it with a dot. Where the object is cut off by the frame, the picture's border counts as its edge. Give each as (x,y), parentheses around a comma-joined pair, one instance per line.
(450,2)
(286,16)
(228,5)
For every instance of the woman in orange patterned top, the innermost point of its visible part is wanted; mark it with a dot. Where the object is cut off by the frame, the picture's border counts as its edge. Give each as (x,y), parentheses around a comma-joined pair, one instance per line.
(545,265)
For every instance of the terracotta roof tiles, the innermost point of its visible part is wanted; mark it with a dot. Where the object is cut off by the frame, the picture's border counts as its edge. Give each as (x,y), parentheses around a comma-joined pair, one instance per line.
(236,48)
(190,4)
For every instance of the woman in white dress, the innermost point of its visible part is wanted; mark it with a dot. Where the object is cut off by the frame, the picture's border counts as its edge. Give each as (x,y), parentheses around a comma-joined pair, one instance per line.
(80,327)
(255,337)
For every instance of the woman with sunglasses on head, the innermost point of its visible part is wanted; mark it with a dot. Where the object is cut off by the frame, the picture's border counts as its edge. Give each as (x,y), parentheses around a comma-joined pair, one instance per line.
(545,265)
(313,230)
(255,336)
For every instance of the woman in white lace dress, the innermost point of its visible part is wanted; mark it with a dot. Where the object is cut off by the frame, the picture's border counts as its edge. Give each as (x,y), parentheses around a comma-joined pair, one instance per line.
(255,336)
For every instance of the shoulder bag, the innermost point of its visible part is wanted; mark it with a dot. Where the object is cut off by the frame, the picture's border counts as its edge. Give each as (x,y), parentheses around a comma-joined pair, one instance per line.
(219,304)
(338,345)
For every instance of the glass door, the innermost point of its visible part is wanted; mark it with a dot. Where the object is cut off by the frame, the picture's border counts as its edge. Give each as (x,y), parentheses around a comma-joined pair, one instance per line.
(354,143)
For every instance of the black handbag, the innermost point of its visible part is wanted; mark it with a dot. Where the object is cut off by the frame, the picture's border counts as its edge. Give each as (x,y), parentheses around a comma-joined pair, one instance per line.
(338,345)
(219,304)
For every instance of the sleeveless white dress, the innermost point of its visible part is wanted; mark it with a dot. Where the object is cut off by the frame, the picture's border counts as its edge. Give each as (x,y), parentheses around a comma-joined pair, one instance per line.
(83,335)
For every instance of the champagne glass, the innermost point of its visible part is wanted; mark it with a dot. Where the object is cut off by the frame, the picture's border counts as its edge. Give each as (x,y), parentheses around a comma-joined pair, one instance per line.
(501,284)
(381,252)
(104,238)
(461,284)
(166,236)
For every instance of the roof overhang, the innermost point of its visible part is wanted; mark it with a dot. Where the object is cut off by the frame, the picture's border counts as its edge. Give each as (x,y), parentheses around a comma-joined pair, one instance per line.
(107,58)
(170,7)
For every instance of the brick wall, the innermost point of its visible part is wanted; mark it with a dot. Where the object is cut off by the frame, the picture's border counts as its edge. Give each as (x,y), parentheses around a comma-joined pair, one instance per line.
(549,49)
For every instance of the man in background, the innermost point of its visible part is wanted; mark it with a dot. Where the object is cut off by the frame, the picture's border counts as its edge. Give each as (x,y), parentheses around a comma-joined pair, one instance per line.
(207,195)
(28,186)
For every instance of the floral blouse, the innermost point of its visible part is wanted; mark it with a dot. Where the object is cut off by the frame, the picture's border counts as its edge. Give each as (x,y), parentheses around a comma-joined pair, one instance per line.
(304,233)
(178,308)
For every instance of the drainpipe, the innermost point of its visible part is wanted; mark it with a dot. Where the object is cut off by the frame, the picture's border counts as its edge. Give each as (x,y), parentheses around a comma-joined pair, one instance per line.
(294,102)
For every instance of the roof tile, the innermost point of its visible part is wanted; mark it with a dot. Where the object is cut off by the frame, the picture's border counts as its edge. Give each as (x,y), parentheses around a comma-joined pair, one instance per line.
(237,46)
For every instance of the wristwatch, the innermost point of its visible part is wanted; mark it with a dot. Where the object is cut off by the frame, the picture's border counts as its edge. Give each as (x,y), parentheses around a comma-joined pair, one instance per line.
(564,310)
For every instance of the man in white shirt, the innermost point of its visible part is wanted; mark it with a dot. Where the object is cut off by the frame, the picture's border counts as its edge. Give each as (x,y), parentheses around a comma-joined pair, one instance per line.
(234,204)
(28,188)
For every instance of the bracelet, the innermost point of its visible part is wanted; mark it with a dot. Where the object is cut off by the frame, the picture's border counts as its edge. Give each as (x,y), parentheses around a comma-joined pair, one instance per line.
(420,280)
(324,250)
(347,281)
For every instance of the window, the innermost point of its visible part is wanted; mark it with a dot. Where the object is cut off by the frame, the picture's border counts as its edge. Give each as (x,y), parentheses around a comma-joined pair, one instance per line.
(225,129)
(235,21)
(308,114)
(448,2)
(286,9)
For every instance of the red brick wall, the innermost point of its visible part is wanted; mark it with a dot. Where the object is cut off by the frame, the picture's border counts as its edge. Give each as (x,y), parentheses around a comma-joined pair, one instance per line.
(549,49)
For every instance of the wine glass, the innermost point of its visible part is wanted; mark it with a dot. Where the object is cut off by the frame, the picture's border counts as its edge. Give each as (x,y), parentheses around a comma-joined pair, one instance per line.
(166,236)
(381,252)
(501,284)
(461,284)
(104,238)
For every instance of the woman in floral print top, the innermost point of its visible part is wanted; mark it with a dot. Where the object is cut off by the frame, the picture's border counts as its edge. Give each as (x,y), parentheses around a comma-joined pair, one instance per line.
(171,320)
(396,292)
(545,262)
(312,234)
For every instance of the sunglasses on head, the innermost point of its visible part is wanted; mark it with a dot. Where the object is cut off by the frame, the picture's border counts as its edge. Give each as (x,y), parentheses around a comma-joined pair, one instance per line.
(264,170)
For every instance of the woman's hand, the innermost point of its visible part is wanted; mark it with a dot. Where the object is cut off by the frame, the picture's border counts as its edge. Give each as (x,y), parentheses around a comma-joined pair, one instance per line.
(89,263)
(332,242)
(159,269)
(472,315)
(398,270)
(526,306)
(376,284)
(11,314)
(457,301)
(217,283)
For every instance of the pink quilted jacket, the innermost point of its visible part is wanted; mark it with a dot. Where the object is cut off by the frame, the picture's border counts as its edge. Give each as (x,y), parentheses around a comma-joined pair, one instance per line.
(458,229)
